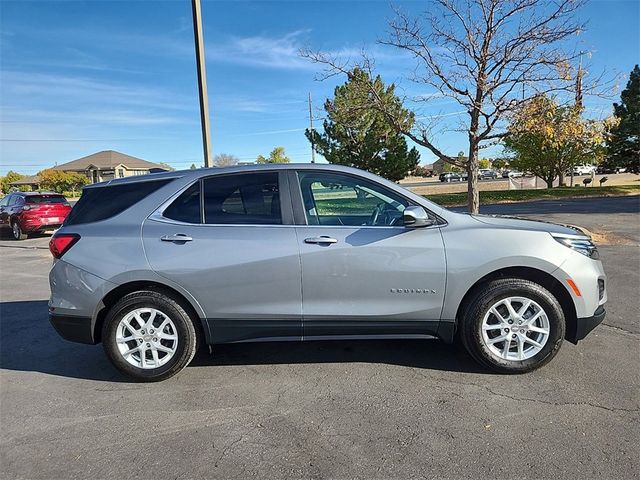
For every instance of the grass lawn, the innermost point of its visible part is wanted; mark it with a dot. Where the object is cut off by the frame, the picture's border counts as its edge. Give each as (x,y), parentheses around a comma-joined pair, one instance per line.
(511,196)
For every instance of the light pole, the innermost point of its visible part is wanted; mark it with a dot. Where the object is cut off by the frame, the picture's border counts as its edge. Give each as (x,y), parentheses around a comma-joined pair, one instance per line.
(202,82)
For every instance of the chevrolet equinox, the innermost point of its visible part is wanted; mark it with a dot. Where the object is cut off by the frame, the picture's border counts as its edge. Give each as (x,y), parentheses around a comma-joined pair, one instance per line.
(155,266)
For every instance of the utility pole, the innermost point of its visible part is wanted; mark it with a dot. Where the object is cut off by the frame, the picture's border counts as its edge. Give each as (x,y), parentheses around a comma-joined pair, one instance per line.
(579,104)
(202,82)
(313,152)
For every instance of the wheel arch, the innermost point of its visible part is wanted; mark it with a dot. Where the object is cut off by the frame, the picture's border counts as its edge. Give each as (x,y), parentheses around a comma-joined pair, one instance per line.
(121,290)
(546,280)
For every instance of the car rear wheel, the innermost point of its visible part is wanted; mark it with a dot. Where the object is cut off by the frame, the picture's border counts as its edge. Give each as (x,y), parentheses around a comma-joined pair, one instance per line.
(512,325)
(18,234)
(149,336)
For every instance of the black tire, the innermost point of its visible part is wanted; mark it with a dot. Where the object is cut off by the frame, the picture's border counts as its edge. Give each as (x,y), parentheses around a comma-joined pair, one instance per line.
(488,295)
(17,232)
(186,331)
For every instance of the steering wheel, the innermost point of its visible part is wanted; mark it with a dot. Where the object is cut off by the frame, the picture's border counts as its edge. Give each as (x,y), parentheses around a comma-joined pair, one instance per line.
(379,211)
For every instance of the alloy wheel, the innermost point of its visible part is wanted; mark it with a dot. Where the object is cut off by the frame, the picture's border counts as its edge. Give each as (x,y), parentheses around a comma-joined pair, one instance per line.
(515,328)
(146,338)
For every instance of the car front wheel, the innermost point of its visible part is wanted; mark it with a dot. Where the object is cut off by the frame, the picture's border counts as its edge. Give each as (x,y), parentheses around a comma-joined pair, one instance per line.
(512,325)
(149,336)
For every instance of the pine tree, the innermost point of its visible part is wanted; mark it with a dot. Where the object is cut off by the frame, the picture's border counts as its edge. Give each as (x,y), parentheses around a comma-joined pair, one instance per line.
(623,142)
(359,135)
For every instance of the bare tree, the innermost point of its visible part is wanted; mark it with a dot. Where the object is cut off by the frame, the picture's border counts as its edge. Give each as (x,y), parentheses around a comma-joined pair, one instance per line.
(225,160)
(490,56)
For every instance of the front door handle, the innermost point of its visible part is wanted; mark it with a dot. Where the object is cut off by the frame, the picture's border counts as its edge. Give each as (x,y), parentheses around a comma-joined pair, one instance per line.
(178,237)
(321,240)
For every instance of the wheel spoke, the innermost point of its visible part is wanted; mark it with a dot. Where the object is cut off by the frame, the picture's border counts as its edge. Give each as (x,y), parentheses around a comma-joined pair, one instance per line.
(143,355)
(501,338)
(167,336)
(130,351)
(532,342)
(533,328)
(524,308)
(506,347)
(140,321)
(152,317)
(156,360)
(163,324)
(493,327)
(126,323)
(162,348)
(125,339)
(512,312)
(495,311)
(520,348)
(533,318)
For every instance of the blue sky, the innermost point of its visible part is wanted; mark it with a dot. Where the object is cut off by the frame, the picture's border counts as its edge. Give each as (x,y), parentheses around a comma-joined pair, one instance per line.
(77,77)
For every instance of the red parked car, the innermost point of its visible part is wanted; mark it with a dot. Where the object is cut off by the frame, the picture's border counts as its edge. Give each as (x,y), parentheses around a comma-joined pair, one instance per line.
(31,212)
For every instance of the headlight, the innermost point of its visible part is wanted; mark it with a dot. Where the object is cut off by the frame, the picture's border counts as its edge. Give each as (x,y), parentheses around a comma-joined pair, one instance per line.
(581,245)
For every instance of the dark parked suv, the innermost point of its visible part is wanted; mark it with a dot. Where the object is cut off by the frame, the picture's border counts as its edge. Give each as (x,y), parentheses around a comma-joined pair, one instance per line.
(32,212)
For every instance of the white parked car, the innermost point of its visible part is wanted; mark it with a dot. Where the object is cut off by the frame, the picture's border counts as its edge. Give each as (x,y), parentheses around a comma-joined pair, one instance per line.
(584,169)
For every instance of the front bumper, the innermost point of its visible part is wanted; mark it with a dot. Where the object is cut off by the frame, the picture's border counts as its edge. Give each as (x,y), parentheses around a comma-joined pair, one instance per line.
(74,329)
(581,328)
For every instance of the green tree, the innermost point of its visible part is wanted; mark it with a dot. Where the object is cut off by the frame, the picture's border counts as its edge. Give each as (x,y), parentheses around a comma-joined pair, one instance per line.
(11,176)
(59,181)
(484,163)
(358,135)
(277,155)
(193,166)
(548,139)
(623,141)
(499,163)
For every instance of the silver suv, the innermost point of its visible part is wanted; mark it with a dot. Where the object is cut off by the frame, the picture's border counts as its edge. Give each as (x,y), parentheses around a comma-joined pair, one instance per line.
(155,266)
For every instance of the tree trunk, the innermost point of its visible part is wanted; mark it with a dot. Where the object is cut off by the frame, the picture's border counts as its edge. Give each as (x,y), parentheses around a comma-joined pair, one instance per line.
(561,176)
(549,181)
(473,196)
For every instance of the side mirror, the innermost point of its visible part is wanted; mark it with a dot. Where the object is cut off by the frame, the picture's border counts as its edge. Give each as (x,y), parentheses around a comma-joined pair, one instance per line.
(415,217)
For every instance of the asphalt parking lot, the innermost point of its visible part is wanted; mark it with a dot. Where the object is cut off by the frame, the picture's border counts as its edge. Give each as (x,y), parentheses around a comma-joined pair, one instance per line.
(367,409)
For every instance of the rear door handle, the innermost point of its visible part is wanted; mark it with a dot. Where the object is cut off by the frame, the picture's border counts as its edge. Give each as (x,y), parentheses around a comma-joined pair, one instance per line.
(321,240)
(178,237)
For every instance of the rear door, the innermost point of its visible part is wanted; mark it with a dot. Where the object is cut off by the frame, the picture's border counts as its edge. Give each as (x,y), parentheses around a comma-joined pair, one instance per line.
(363,272)
(229,241)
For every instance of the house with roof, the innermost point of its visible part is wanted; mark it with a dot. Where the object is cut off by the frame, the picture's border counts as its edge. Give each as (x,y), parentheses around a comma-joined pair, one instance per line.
(100,167)
(109,164)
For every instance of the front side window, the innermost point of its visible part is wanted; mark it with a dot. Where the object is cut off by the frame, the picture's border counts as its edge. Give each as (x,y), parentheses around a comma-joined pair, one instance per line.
(247,198)
(337,199)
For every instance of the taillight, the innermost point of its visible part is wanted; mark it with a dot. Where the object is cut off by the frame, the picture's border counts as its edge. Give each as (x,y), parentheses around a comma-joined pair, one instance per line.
(60,243)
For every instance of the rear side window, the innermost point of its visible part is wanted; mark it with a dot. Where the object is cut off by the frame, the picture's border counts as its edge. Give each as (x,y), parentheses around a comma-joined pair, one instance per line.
(46,199)
(100,203)
(248,198)
(186,208)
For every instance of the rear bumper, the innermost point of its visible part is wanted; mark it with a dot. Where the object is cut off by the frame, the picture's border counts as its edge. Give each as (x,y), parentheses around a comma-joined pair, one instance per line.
(583,326)
(74,329)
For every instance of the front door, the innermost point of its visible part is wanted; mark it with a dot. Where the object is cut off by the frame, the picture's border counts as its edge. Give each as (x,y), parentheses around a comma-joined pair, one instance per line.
(363,272)
(237,257)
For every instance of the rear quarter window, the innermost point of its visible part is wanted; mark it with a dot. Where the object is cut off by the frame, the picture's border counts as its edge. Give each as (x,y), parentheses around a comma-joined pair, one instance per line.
(101,203)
